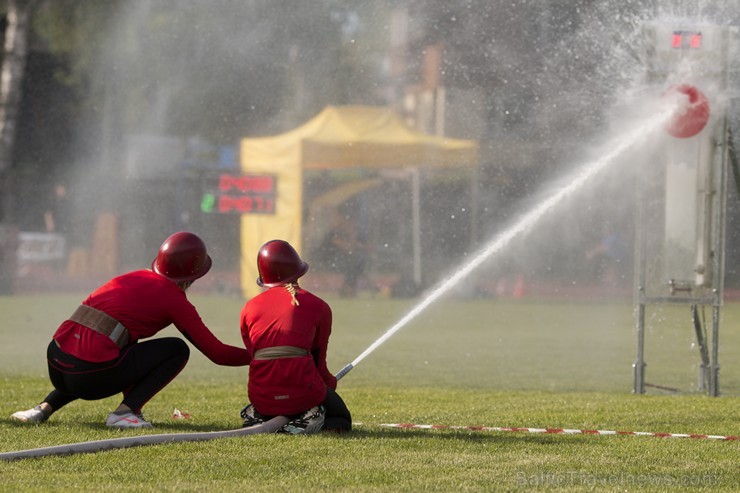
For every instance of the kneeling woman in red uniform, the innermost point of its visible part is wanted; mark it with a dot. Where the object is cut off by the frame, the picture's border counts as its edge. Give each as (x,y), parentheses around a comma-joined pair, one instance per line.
(286,331)
(96,353)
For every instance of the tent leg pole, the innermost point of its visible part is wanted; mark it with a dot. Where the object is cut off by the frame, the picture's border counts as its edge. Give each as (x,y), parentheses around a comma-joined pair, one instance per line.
(416,212)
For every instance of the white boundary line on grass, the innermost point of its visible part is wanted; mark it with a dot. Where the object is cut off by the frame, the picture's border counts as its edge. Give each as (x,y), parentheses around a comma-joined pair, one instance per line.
(558,431)
(274,424)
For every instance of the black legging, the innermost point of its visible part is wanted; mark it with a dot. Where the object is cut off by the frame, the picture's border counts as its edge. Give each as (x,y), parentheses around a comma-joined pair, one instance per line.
(338,417)
(140,371)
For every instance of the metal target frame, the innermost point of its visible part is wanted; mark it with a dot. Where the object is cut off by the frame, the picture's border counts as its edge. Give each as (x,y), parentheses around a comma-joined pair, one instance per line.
(682,195)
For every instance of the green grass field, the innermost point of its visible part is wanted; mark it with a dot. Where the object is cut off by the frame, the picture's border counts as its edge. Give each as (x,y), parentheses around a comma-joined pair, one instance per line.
(468,363)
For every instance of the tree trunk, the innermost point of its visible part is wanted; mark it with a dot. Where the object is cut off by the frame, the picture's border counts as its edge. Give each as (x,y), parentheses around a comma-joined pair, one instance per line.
(15,51)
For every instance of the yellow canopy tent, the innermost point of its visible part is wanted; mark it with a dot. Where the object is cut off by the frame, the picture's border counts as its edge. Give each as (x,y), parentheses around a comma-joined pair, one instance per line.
(338,137)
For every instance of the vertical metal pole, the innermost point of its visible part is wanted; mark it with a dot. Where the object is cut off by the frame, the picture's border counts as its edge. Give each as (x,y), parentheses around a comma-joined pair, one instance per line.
(638,367)
(714,366)
(416,213)
(720,163)
(703,353)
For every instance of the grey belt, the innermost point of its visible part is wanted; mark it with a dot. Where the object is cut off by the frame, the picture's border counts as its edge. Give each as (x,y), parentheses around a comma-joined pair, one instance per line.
(277,352)
(102,323)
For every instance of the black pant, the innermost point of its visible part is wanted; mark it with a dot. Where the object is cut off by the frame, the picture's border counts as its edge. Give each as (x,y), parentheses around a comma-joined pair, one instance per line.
(140,371)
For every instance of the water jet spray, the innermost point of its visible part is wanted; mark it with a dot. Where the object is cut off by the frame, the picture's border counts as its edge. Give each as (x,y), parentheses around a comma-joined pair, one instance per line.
(573,184)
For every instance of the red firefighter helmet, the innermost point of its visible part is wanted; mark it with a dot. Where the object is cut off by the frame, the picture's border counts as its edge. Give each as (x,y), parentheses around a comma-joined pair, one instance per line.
(278,263)
(182,257)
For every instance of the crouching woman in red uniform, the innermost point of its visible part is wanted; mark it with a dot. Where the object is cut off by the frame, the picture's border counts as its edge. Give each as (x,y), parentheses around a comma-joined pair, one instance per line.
(97,352)
(286,331)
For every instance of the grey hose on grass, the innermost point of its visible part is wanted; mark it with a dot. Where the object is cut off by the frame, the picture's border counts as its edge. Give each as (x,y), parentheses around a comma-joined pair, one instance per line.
(270,426)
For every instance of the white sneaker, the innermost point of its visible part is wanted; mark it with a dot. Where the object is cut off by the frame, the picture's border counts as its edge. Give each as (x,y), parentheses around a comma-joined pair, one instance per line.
(310,421)
(35,415)
(128,420)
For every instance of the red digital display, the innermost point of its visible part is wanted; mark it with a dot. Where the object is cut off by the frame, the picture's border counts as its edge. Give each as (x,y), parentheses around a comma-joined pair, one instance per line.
(686,39)
(247,183)
(240,194)
(245,204)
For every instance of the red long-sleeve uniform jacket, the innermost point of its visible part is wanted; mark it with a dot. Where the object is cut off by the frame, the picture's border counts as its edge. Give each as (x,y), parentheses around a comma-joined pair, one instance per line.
(287,386)
(145,303)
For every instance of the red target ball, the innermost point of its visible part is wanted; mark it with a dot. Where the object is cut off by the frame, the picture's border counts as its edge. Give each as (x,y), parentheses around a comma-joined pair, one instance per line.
(692,113)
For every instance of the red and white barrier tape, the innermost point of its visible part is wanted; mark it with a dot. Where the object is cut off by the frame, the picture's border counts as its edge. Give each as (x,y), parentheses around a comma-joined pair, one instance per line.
(558,431)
